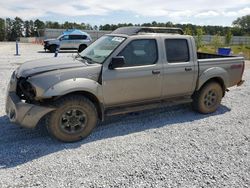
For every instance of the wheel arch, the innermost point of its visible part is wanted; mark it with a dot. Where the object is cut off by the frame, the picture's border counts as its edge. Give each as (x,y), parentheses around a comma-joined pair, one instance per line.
(218,80)
(81,86)
(52,45)
(91,97)
(216,74)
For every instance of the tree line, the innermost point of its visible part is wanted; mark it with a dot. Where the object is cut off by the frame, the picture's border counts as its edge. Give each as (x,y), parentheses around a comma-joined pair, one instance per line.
(12,29)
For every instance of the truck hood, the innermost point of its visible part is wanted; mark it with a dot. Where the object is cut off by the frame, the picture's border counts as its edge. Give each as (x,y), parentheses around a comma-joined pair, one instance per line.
(48,40)
(34,67)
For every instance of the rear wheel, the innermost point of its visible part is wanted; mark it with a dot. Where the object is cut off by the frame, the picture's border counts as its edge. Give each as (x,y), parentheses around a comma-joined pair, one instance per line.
(208,98)
(74,119)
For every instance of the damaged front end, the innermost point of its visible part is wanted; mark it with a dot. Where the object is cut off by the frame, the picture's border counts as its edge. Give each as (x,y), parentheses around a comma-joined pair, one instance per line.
(21,107)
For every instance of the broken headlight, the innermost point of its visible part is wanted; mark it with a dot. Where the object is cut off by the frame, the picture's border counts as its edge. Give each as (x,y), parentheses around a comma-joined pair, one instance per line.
(25,90)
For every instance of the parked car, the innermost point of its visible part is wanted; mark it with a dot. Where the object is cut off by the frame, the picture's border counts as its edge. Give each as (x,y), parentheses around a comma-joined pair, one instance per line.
(129,70)
(70,40)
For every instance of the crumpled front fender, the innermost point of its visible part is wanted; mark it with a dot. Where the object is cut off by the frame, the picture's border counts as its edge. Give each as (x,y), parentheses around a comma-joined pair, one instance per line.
(75,85)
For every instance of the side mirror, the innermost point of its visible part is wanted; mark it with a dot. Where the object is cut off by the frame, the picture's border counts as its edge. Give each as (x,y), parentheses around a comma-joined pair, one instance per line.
(116,62)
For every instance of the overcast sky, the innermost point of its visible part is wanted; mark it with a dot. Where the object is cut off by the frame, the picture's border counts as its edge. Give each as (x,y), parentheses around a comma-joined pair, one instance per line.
(202,12)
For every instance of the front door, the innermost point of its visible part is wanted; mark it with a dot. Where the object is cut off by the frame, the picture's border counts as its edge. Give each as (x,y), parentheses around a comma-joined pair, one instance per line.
(66,42)
(139,79)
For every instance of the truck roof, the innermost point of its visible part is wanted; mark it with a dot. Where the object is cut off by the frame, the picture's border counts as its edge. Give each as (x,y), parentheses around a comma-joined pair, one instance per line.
(74,32)
(142,30)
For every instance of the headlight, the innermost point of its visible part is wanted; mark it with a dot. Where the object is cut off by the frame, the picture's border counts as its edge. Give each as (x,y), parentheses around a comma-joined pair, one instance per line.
(26,89)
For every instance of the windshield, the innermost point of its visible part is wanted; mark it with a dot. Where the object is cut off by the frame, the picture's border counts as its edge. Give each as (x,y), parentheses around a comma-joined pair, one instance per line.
(60,36)
(101,48)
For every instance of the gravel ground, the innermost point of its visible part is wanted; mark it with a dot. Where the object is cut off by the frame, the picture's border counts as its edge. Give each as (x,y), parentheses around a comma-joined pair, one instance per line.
(168,147)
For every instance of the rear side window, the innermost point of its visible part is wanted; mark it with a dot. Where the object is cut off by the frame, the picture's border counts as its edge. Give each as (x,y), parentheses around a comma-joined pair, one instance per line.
(77,37)
(140,52)
(177,50)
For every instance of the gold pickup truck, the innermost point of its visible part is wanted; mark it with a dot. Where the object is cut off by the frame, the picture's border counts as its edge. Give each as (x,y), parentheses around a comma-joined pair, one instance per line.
(131,69)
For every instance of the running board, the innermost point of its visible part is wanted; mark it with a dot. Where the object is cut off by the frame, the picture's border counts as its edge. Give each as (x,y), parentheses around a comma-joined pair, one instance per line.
(160,104)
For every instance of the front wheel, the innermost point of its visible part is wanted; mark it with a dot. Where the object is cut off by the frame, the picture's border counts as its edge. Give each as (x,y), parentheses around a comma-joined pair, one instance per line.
(208,98)
(73,120)
(52,48)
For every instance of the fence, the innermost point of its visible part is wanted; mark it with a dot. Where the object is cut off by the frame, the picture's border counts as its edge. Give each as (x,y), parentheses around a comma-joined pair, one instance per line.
(236,40)
(54,33)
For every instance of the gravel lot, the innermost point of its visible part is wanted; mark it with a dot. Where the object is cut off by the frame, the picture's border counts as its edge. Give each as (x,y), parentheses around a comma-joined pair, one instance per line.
(169,147)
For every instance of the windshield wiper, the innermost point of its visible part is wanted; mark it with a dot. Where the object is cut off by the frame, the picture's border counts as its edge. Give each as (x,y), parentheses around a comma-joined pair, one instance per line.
(76,56)
(89,60)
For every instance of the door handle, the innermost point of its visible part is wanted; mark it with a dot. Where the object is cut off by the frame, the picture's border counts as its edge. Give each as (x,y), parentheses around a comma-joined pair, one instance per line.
(156,72)
(188,69)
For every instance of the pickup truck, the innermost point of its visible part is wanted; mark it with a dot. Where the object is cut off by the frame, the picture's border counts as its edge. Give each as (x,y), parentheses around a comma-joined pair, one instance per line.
(131,69)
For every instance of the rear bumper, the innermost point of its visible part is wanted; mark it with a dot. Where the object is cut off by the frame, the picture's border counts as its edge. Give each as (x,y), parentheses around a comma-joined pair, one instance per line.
(24,114)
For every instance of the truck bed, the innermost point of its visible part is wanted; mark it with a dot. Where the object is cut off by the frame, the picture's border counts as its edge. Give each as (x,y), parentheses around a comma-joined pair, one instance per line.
(201,55)
(232,66)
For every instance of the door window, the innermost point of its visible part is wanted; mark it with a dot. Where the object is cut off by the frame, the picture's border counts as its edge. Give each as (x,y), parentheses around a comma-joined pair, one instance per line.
(77,37)
(140,52)
(177,50)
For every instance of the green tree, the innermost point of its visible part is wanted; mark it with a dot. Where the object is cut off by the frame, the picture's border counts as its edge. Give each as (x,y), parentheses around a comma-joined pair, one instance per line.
(105,27)
(32,28)
(52,25)
(2,29)
(188,31)
(38,24)
(169,24)
(27,29)
(199,33)
(8,26)
(89,27)
(216,42)
(154,24)
(243,23)
(228,37)
(15,30)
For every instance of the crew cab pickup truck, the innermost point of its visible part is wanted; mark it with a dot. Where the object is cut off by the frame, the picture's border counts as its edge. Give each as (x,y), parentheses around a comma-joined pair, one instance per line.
(131,69)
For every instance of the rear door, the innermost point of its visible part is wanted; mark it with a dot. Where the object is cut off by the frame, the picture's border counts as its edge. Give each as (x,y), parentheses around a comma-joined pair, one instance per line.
(73,41)
(139,79)
(179,68)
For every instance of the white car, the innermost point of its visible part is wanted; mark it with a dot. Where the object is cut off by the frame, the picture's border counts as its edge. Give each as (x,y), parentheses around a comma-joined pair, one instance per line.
(69,40)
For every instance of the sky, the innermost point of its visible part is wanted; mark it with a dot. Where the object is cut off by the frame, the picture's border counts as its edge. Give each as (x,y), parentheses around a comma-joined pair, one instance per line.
(97,12)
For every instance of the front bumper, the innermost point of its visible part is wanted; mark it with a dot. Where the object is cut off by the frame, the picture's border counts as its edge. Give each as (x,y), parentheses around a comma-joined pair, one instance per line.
(24,114)
(46,47)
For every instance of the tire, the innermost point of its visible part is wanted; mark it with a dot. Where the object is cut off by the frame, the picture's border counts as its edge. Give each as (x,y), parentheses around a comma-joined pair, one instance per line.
(52,48)
(73,120)
(81,48)
(208,98)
